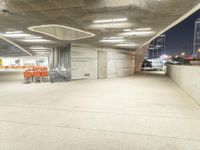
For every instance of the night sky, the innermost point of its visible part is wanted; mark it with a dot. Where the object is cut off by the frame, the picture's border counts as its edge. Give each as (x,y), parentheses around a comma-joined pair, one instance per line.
(180,38)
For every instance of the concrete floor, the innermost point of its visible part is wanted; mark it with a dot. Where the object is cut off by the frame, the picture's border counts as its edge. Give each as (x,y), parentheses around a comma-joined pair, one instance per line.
(144,112)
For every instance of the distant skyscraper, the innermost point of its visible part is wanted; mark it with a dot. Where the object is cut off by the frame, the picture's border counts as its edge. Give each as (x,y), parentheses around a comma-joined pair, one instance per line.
(157,47)
(196,37)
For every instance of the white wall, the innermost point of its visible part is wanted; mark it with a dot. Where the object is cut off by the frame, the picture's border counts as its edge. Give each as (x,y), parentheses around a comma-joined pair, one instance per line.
(100,62)
(84,62)
(188,78)
(120,64)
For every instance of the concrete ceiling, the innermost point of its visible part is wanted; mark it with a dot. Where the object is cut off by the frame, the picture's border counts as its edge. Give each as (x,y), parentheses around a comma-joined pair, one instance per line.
(80,14)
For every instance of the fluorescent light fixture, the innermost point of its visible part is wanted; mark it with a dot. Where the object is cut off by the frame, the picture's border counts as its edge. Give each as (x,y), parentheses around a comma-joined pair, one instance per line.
(142,29)
(138,33)
(35,40)
(112,40)
(16,35)
(126,45)
(112,25)
(110,20)
(113,37)
(39,48)
(127,30)
(33,37)
(14,32)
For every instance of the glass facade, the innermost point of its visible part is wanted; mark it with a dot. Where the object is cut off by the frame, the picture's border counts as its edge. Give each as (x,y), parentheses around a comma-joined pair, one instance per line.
(196,49)
(157,48)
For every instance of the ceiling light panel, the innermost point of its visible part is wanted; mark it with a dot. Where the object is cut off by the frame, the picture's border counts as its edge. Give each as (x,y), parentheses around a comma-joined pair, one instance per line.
(33,37)
(36,40)
(14,32)
(39,48)
(113,37)
(127,30)
(138,33)
(143,29)
(126,45)
(116,25)
(112,40)
(16,35)
(110,20)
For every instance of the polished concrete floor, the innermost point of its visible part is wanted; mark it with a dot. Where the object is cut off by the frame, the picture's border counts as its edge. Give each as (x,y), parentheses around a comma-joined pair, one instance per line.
(144,112)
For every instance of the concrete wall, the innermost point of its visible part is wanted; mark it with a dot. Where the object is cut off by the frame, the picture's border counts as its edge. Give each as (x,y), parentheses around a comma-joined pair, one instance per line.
(120,64)
(99,63)
(11,76)
(83,62)
(187,77)
(139,56)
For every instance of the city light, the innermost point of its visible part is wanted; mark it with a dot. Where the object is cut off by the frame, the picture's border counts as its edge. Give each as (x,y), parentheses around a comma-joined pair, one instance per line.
(183,54)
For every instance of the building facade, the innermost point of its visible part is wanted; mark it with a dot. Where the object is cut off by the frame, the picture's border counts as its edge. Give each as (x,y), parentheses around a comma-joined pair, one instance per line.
(196,48)
(157,48)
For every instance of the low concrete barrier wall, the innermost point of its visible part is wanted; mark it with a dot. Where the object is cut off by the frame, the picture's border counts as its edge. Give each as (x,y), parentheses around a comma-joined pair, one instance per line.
(10,76)
(188,78)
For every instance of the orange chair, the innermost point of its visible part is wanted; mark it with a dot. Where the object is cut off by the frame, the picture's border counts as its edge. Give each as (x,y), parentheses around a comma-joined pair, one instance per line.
(37,75)
(28,76)
(45,75)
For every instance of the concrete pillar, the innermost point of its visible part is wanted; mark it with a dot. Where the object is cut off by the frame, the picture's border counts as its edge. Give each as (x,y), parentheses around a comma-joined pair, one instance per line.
(139,56)
(102,64)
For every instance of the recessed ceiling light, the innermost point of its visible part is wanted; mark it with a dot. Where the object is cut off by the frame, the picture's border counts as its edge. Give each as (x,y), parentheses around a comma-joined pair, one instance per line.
(110,20)
(36,40)
(143,29)
(112,40)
